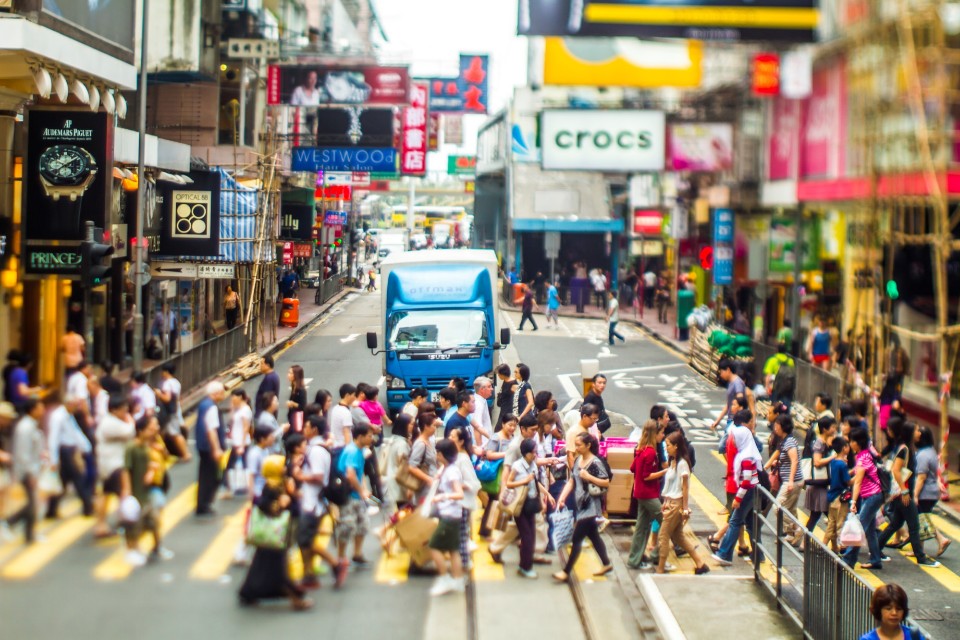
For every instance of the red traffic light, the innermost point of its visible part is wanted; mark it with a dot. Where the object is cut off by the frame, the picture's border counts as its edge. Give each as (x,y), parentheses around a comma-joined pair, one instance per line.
(706,257)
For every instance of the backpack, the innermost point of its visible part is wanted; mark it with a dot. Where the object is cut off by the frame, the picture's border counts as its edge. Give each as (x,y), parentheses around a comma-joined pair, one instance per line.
(338,489)
(785,381)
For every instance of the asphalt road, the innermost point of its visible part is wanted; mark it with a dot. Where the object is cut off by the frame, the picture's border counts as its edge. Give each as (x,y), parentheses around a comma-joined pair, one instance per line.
(73,587)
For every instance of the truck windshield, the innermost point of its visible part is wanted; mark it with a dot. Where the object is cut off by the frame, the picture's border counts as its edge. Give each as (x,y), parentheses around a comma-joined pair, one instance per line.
(437,329)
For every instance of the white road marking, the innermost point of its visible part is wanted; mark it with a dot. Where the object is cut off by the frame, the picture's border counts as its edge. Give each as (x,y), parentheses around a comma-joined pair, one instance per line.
(350,338)
(629,369)
(605,353)
(570,405)
(570,388)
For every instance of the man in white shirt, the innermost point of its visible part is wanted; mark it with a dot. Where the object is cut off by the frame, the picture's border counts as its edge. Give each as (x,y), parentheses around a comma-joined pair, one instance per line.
(67,445)
(316,475)
(341,420)
(114,432)
(480,418)
(27,456)
(169,395)
(210,437)
(146,398)
(78,393)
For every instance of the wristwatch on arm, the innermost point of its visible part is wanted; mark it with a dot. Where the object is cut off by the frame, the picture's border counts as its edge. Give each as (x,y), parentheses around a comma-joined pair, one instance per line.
(66,172)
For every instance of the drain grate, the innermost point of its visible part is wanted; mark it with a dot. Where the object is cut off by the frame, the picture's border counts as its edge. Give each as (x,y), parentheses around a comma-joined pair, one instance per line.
(926,614)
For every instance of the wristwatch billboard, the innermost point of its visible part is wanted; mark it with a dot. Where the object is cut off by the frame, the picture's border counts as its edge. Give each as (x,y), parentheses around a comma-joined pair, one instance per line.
(66,172)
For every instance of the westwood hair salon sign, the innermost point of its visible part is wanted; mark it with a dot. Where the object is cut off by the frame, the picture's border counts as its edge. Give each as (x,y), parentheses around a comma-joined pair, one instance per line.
(611,140)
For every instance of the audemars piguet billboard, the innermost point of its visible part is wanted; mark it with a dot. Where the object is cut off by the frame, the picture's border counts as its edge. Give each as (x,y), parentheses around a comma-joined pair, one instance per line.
(66,182)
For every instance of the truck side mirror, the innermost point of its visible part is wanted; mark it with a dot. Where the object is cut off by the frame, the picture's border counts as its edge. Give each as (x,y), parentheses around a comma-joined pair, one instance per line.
(504,337)
(372,340)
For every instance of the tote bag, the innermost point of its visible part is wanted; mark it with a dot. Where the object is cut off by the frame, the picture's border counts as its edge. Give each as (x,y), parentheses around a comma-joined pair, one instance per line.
(268,532)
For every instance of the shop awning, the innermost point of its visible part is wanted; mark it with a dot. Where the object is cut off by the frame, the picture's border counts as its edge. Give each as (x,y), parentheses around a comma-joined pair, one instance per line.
(567,225)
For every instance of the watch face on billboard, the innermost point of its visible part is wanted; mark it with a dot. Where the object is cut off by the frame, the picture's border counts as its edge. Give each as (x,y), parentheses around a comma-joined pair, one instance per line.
(67,171)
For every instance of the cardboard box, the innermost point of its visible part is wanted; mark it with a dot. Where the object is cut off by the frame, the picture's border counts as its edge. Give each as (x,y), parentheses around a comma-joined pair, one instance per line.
(620,492)
(620,458)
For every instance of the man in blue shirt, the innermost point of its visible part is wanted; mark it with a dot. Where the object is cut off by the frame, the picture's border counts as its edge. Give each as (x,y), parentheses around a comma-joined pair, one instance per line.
(460,417)
(353,522)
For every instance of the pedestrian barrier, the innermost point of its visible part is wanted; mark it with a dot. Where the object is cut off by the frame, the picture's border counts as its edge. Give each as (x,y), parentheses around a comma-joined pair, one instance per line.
(814,587)
(205,360)
(811,380)
(327,289)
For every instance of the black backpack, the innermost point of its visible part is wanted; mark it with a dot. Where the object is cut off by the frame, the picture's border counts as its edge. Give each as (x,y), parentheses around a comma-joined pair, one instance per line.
(338,489)
(785,381)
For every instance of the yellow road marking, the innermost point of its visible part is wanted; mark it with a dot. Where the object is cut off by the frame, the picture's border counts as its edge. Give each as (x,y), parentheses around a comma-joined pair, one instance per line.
(116,567)
(39,555)
(216,558)
(946,528)
(43,528)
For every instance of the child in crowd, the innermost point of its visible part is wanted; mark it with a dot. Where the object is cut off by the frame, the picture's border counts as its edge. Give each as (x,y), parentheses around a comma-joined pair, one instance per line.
(838,493)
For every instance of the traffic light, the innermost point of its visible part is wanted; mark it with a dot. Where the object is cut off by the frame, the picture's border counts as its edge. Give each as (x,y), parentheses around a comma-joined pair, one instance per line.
(893,291)
(93,272)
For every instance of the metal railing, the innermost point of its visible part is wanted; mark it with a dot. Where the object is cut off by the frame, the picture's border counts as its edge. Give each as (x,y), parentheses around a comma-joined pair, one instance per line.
(328,288)
(814,587)
(204,360)
(811,380)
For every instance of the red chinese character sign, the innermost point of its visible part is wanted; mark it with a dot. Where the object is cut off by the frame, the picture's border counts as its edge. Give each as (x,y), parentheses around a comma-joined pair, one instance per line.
(413,133)
(473,82)
(766,74)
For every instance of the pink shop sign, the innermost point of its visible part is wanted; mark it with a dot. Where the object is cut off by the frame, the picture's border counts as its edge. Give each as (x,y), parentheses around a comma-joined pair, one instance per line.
(823,137)
(783,143)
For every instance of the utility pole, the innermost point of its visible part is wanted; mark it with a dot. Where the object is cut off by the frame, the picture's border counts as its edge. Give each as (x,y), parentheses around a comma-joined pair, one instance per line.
(141,193)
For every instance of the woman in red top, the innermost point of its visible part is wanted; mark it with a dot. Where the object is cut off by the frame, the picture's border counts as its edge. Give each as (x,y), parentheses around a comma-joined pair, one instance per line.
(646,489)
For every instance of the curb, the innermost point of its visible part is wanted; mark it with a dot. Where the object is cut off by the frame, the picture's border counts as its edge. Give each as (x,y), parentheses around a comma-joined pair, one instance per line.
(659,609)
(641,607)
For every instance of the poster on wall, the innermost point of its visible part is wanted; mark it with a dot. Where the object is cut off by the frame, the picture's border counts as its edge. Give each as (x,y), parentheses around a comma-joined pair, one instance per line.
(783,244)
(66,182)
(701,147)
(766,20)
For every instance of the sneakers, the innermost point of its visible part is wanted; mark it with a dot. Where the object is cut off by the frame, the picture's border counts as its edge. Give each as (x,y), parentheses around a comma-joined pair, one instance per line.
(160,554)
(359,563)
(530,574)
(884,558)
(722,562)
(443,585)
(342,568)
(496,557)
(134,558)
(669,568)
(927,561)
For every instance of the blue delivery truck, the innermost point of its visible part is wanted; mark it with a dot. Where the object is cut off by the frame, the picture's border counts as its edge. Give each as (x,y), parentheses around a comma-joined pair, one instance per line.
(439,317)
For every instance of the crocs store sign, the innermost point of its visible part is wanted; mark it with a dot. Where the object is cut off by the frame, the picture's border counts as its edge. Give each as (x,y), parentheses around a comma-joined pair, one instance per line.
(603,140)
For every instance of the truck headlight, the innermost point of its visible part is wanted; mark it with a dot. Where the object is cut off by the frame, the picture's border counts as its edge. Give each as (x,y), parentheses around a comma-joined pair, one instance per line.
(395,383)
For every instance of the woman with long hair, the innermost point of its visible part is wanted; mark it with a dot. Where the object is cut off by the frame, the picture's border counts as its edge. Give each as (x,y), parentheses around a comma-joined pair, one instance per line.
(867,498)
(325,399)
(523,393)
(815,501)
(423,453)
(589,470)
(298,396)
(646,489)
(523,477)
(746,467)
(904,508)
(462,437)
(676,501)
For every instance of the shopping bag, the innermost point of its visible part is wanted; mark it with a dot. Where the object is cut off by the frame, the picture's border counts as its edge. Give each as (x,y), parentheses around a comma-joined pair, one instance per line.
(928,531)
(237,479)
(497,519)
(852,533)
(562,521)
(488,470)
(268,532)
(49,483)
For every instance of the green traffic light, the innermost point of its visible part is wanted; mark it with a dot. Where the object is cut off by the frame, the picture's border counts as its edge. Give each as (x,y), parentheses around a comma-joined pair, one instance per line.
(892,289)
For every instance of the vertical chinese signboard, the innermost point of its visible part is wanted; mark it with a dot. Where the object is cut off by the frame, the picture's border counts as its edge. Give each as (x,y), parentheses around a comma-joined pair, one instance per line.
(413,141)
(473,82)
(723,246)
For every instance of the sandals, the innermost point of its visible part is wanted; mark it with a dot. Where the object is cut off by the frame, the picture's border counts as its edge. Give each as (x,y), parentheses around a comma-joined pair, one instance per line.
(603,571)
(713,542)
(560,576)
(943,548)
(743,552)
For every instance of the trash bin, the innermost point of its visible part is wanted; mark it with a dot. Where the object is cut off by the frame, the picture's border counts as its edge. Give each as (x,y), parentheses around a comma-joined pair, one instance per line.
(290,312)
(519,290)
(685,300)
(588,369)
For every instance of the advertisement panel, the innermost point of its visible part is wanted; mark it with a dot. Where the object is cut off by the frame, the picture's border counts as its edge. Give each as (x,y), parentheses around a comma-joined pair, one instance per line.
(111,20)
(614,140)
(190,217)
(823,133)
(647,222)
(296,221)
(316,84)
(467,93)
(413,133)
(66,182)
(344,159)
(765,74)
(701,147)
(621,62)
(783,244)
(783,144)
(723,246)
(354,127)
(765,20)
(461,165)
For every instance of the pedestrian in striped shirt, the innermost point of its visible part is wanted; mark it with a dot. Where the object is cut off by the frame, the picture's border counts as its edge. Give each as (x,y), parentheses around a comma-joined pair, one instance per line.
(746,469)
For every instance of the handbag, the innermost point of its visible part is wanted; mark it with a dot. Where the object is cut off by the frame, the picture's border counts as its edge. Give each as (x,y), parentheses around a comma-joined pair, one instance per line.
(928,531)
(512,499)
(813,476)
(595,491)
(405,479)
(488,470)
(268,532)
(563,522)
(49,482)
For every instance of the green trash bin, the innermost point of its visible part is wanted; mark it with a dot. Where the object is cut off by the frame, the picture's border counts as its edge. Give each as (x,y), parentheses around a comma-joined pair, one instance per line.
(685,301)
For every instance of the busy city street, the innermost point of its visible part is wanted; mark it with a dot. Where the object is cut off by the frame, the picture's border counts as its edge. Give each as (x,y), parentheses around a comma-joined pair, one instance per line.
(436,319)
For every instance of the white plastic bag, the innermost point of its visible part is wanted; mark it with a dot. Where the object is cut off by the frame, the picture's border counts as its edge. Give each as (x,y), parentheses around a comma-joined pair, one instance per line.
(49,482)
(852,533)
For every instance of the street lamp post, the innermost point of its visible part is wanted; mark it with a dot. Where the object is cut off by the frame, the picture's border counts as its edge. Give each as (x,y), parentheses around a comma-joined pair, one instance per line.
(141,193)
